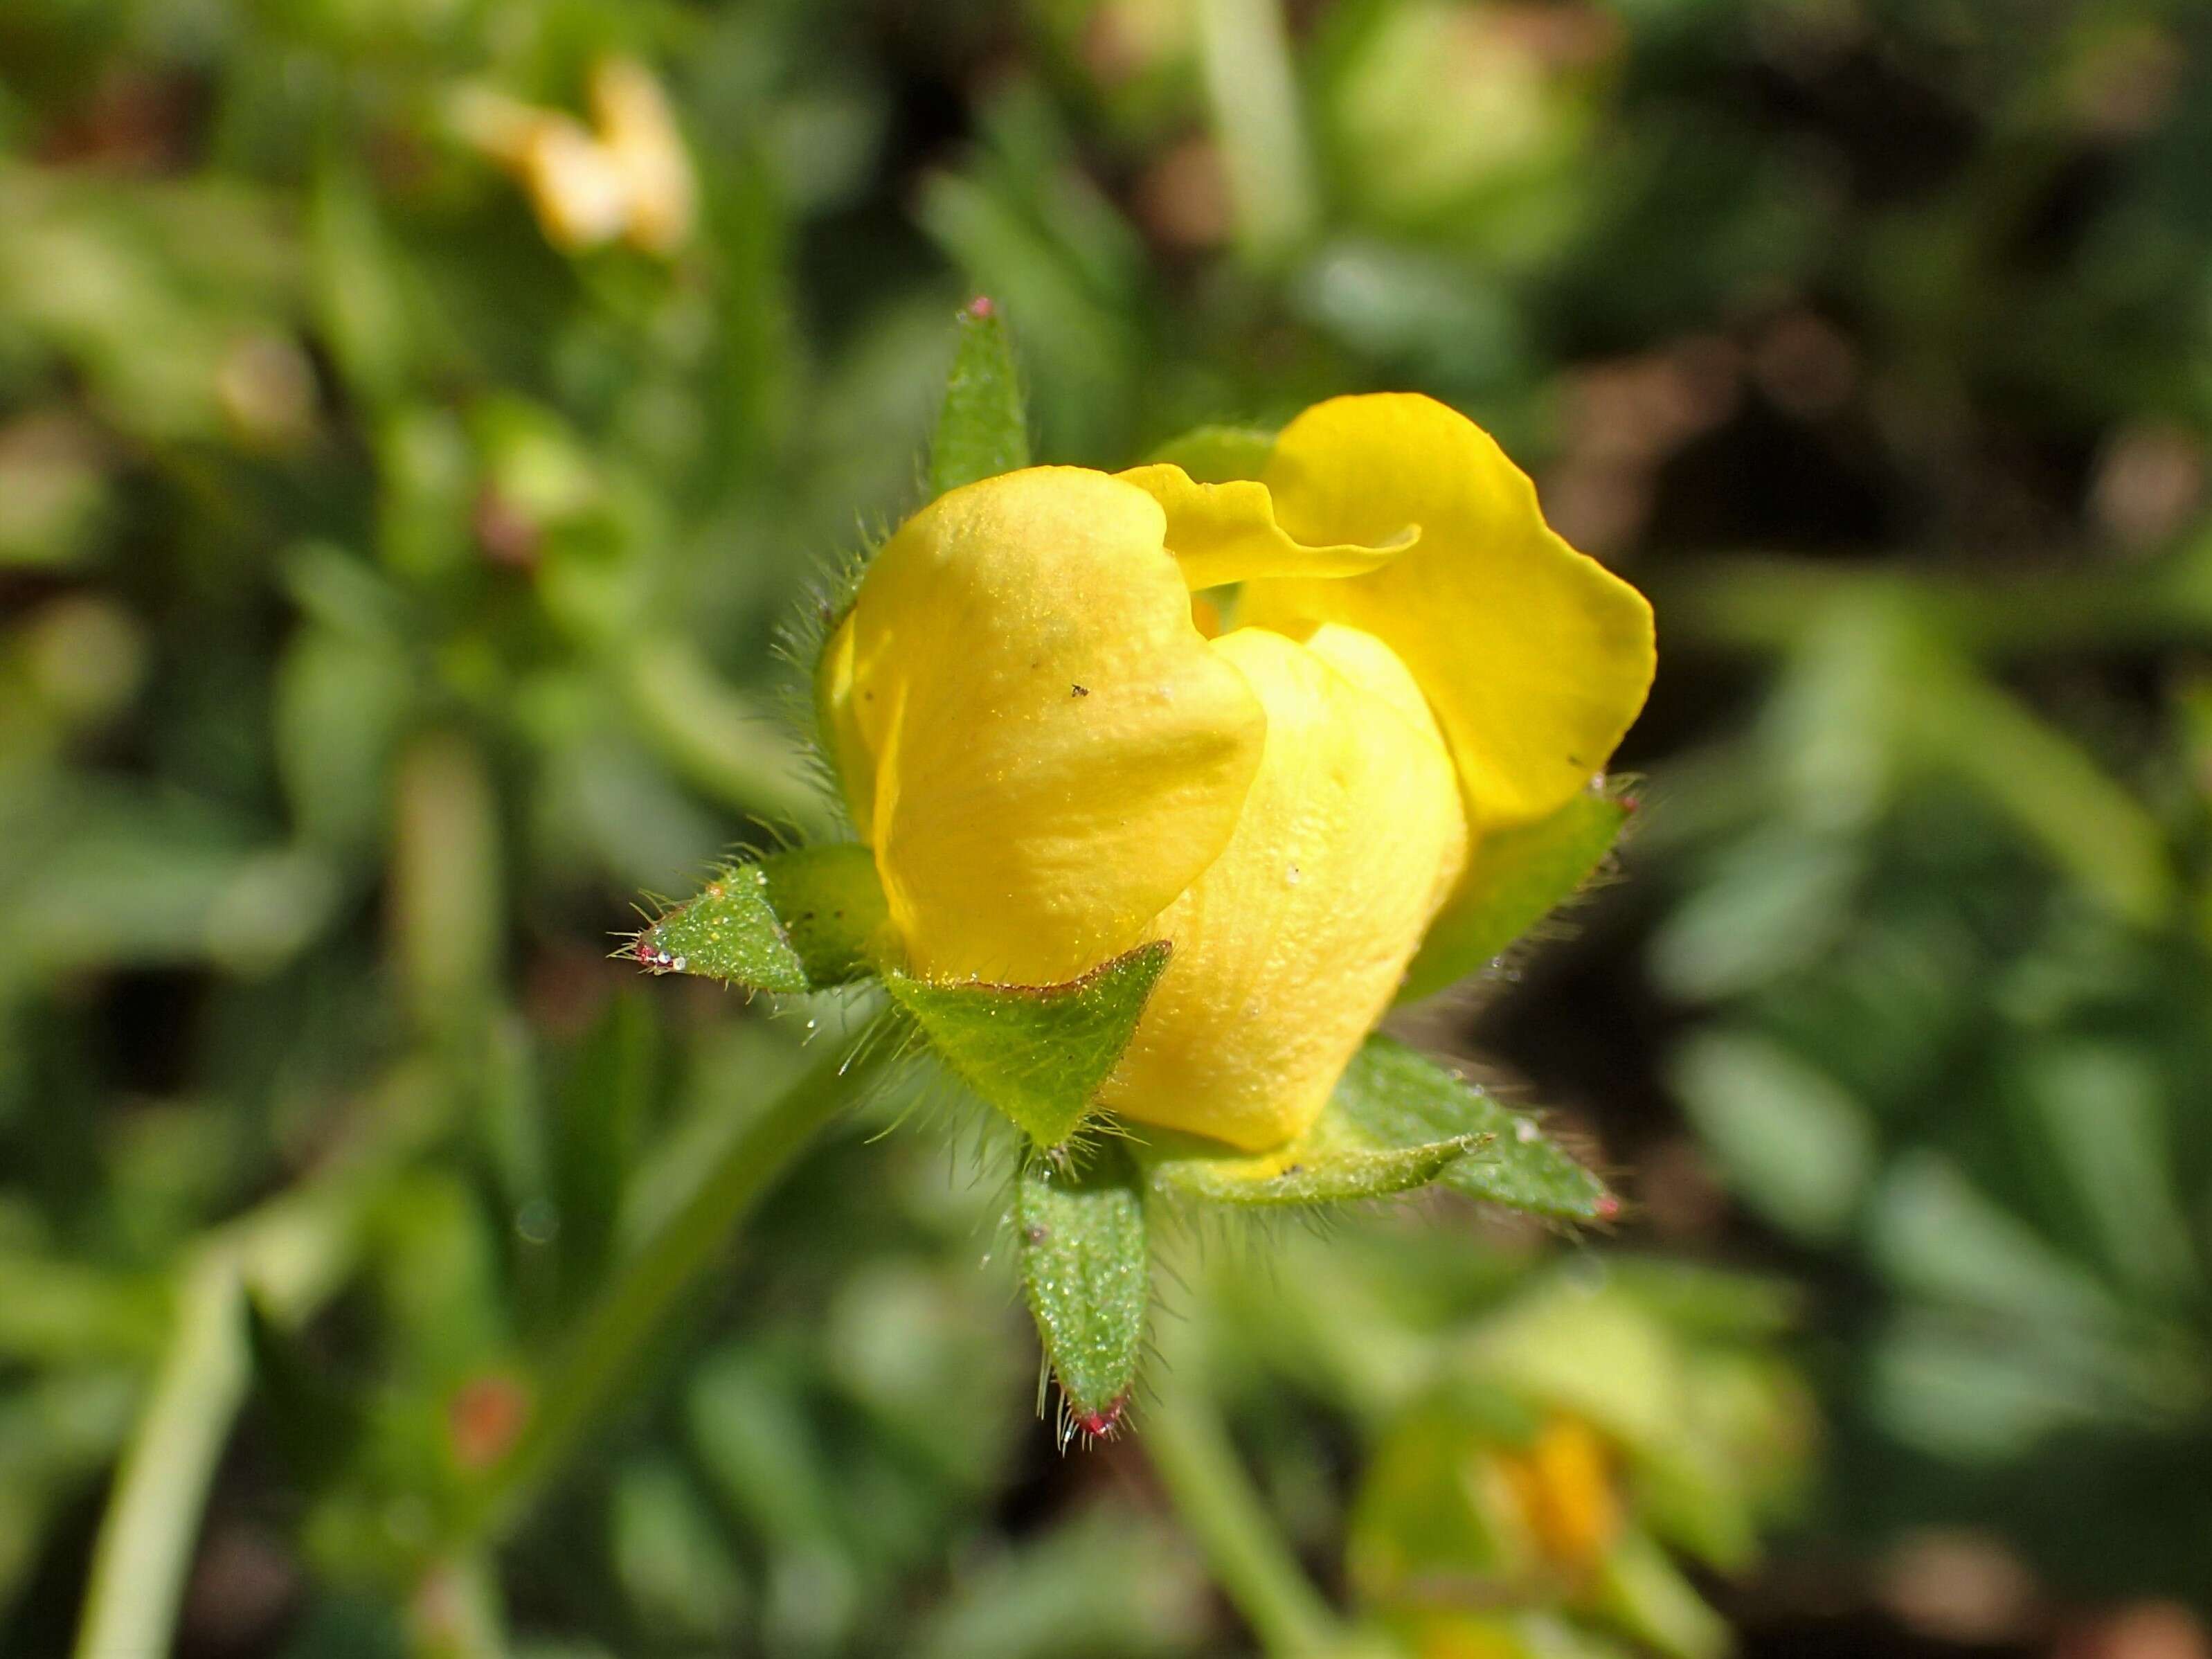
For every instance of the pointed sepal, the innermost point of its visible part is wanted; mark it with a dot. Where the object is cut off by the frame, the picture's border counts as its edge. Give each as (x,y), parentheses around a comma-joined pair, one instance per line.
(804,920)
(1397,1121)
(1086,1273)
(1037,1052)
(1397,1094)
(1334,1162)
(1519,877)
(982,427)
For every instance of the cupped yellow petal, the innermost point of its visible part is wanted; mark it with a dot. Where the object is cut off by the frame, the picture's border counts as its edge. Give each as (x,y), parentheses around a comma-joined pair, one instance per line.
(1291,945)
(1057,752)
(840,728)
(1534,658)
(1227,533)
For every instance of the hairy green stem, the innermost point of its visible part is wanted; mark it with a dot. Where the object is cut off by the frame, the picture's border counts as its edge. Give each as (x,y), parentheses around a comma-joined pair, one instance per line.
(1190,1448)
(606,1346)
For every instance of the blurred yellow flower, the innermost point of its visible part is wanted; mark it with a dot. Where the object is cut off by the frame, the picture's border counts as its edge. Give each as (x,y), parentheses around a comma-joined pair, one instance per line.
(1562,1485)
(628,176)
(1056,755)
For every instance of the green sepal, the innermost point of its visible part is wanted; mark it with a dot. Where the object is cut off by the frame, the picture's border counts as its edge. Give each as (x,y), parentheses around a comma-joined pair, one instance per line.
(1397,1121)
(1397,1092)
(805,920)
(1333,1161)
(1519,877)
(1217,454)
(982,427)
(1037,1052)
(1086,1273)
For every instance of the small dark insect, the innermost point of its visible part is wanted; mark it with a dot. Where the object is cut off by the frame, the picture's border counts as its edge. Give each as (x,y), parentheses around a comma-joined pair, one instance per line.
(1078,691)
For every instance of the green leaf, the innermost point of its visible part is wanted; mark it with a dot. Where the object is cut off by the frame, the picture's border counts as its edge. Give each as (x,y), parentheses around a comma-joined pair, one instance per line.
(1037,1052)
(667,1551)
(1087,1275)
(1217,454)
(1642,1593)
(1519,877)
(1795,1146)
(799,920)
(982,429)
(1399,1096)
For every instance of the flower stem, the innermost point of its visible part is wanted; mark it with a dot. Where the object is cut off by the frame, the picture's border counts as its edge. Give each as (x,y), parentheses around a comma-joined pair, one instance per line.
(603,1349)
(290,1255)
(1215,1499)
(146,1540)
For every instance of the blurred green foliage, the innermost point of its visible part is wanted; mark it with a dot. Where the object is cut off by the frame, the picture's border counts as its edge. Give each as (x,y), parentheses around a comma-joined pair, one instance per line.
(391,589)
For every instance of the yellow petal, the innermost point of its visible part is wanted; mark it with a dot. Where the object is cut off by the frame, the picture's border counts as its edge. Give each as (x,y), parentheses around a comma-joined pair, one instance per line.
(1292,943)
(1563,1487)
(840,729)
(640,134)
(1058,752)
(1534,658)
(1226,532)
(578,187)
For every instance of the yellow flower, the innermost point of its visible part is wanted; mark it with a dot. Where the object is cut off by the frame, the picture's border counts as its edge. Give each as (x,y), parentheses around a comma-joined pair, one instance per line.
(629,178)
(1562,1488)
(1055,757)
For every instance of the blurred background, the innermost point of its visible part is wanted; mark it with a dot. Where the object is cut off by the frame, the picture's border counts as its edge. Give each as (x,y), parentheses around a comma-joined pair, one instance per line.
(417,419)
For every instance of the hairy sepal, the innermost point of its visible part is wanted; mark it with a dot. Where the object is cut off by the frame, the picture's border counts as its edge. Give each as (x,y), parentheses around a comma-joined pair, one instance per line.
(1397,1121)
(982,427)
(1038,1054)
(1086,1273)
(1515,878)
(808,918)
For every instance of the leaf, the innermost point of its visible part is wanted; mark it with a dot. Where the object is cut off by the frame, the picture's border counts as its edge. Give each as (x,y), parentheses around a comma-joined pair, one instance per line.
(1397,1121)
(1518,878)
(799,920)
(1087,1274)
(1037,1052)
(982,427)
(1795,1145)
(1641,1591)
(1217,454)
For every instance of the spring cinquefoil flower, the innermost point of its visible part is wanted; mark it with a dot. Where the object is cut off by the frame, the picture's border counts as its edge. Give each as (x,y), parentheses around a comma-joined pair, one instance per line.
(1057,752)
(626,175)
